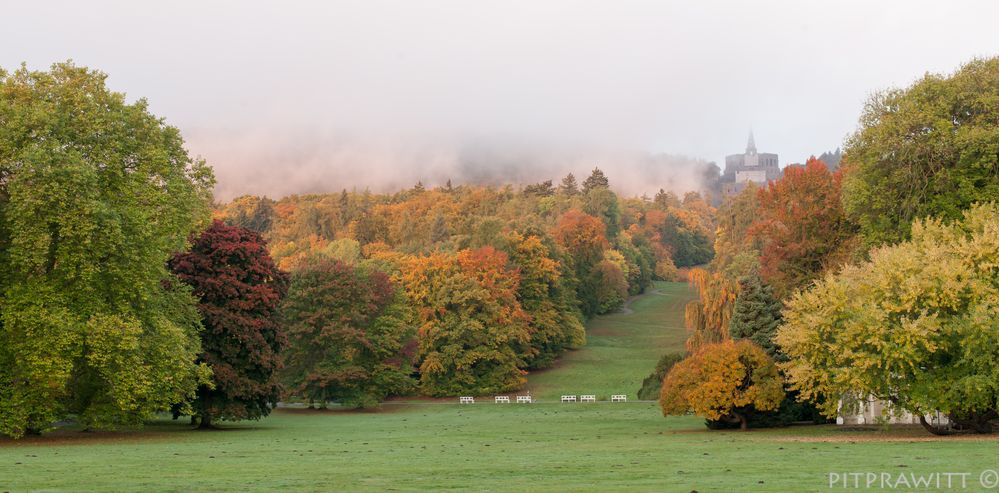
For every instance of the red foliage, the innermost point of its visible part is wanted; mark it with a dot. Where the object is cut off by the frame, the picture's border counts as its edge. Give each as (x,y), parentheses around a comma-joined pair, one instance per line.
(802,226)
(239,290)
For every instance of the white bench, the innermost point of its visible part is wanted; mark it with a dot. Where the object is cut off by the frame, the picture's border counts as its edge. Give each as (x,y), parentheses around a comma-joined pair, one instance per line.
(502,398)
(466,400)
(588,398)
(619,398)
(568,398)
(523,399)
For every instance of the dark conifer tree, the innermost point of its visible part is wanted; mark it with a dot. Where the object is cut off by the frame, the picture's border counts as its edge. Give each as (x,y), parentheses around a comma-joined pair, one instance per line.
(597,179)
(756,315)
(569,186)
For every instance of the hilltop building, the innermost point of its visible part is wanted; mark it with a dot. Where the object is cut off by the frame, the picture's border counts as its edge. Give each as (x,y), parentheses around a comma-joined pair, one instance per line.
(750,166)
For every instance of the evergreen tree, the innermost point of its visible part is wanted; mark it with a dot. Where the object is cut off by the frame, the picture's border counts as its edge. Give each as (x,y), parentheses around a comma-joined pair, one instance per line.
(439,230)
(597,179)
(569,186)
(665,200)
(756,315)
(543,189)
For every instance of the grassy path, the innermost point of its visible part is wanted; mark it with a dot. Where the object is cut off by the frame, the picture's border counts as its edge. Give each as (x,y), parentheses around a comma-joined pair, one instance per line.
(621,348)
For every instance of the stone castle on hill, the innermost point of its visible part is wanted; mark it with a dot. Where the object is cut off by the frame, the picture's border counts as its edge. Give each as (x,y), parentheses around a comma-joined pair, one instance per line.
(751,166)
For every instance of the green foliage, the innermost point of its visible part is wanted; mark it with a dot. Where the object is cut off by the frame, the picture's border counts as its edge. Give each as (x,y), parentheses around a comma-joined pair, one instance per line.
(350,335)
(687,239)
(653,384)
(95,195)
(597,179)
(917,325)
(610,283)
(250,212)
(555,323)
(600,202)
(928,150)
(756,315)
(471,322)
(736,251)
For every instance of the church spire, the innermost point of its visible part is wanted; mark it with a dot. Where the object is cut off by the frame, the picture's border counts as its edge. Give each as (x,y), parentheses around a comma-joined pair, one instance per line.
(751,145)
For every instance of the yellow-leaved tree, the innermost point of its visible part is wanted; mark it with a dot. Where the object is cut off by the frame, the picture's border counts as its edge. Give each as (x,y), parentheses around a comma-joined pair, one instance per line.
(720,379)
(917,326)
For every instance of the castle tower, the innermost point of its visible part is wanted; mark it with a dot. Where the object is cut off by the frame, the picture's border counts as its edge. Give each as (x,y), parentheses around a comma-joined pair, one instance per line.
(751,166)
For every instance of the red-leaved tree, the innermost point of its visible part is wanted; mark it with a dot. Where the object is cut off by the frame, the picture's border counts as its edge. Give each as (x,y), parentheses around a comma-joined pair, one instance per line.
(802,226)
(239,291)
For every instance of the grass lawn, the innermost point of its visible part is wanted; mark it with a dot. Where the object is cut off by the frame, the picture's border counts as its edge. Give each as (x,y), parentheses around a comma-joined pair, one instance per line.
(621,349)
(421,446)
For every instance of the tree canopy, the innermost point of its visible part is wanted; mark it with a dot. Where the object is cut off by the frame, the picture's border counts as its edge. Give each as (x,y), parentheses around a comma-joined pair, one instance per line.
(239,291)
(917,325)
(927,150)
(96,194)
(350,334)
(720,378)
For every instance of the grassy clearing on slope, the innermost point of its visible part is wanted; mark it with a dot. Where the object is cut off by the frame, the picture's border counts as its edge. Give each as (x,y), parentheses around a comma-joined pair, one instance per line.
(621,348)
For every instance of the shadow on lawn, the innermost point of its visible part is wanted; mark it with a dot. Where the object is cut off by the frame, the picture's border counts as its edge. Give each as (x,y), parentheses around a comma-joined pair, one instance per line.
(163,429)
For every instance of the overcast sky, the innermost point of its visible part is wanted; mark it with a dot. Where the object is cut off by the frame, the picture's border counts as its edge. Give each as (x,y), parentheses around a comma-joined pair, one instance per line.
(285,97)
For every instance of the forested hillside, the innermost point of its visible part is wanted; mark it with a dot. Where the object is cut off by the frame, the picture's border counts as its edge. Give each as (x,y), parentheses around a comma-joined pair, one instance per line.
(498,281)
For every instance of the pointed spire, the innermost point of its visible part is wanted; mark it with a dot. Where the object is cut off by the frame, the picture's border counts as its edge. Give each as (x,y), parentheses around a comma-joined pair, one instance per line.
(751,145)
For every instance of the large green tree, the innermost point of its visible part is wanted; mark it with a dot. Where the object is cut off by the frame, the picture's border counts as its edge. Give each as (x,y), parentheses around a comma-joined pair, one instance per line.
(929,150)
(95,195)
(917,325)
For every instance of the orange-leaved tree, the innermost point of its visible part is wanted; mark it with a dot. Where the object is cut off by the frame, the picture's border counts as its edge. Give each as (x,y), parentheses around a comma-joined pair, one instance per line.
(802,227)
(721,379)
(555,321)
(471,321)
(582,235)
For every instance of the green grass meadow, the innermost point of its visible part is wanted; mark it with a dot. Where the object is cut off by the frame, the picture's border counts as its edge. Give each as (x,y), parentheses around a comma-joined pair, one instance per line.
(444,446)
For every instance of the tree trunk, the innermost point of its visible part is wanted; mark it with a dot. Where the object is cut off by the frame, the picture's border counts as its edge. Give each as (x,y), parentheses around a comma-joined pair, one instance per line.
(194,420)
(743,424)
(206,422)
(734,417)
(976,423)
(933,429)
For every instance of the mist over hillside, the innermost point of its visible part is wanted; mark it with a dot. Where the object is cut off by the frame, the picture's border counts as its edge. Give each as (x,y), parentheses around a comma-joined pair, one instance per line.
(309,163)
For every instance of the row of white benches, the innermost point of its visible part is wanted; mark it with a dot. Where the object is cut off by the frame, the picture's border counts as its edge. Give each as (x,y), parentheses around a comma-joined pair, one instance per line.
(526,399)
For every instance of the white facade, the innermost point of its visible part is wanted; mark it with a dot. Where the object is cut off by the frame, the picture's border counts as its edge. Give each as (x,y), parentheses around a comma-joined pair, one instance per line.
(871,411)
(756,175)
